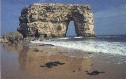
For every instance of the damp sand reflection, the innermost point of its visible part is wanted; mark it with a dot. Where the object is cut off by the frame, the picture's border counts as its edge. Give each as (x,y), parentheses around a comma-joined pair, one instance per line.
(50,62)
(30,61)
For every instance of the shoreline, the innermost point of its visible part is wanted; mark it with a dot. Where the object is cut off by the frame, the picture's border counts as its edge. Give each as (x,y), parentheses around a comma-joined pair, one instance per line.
(33,62)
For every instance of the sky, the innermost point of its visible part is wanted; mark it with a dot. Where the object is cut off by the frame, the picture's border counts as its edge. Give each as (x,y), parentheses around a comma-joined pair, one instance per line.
(109,15)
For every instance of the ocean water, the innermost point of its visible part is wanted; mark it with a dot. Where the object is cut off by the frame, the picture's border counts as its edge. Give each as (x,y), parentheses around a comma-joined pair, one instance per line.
(113,45)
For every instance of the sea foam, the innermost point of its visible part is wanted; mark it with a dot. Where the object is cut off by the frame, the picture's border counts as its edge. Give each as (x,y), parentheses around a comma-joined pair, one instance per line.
(91,46)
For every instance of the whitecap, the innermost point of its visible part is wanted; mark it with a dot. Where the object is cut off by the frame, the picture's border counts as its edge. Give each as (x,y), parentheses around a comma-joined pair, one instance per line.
(64,38)
(91,46)
(78,37)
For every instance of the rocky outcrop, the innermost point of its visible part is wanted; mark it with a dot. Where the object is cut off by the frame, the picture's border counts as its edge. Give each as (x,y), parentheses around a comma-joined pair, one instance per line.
(53,19)
(11,37)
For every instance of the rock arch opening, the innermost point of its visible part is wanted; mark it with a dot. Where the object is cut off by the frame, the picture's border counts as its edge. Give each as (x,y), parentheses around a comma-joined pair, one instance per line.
(71,29)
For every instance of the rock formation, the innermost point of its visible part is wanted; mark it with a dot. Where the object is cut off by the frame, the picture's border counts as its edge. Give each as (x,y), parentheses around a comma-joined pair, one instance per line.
(53,19)
(11,37)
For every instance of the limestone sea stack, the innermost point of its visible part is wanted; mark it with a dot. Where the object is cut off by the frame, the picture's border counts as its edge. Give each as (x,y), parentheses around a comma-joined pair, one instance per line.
(53,19)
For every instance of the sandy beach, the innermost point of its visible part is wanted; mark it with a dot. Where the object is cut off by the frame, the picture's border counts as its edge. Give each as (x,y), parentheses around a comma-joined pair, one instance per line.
(37,61)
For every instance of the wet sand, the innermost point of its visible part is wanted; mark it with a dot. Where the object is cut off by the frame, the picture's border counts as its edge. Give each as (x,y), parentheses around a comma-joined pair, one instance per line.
(31,62)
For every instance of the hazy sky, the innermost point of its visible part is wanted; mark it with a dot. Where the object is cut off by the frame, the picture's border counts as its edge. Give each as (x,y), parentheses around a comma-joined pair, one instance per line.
(109,15)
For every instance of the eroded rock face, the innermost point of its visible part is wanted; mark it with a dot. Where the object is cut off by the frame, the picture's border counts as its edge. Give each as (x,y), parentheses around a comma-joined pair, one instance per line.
(53,19)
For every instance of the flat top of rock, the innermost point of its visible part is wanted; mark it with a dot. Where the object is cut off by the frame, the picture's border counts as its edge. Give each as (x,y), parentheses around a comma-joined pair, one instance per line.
(58,4)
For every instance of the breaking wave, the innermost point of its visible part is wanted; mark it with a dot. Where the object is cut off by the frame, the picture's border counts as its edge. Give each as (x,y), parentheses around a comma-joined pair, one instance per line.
(64,38)
(91,46)
(78,37)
